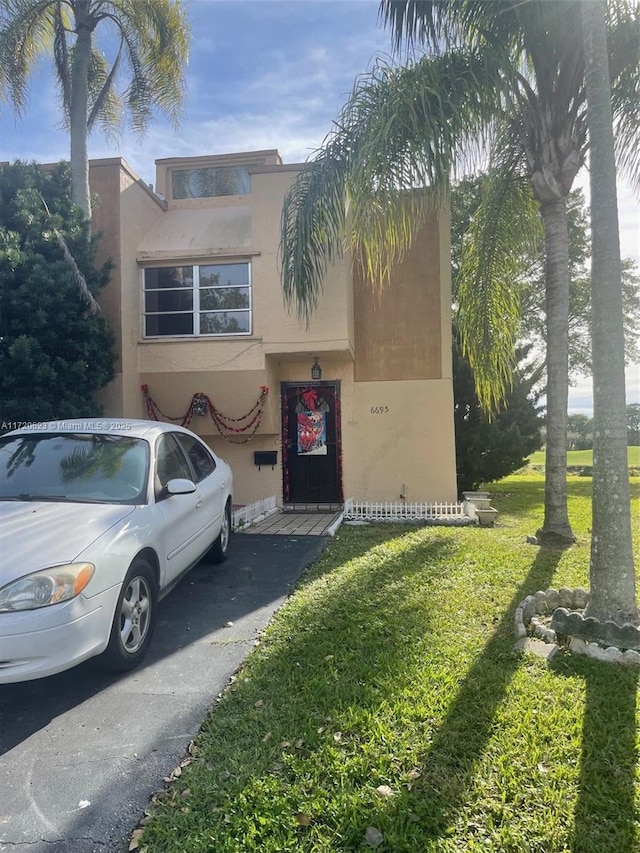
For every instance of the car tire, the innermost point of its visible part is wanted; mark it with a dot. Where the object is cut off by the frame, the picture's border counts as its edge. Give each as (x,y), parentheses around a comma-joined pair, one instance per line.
(220,547)
(134,619)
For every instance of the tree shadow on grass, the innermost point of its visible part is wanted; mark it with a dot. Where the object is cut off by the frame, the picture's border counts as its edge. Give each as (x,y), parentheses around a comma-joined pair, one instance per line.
(604,813)
(448,767)
(261,740)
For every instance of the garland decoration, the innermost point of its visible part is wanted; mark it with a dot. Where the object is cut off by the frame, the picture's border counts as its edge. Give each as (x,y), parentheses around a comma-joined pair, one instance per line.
(243,428)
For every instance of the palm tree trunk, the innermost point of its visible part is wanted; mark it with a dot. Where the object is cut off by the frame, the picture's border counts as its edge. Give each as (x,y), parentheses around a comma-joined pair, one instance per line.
(556,519)
(79,111)
(612,574)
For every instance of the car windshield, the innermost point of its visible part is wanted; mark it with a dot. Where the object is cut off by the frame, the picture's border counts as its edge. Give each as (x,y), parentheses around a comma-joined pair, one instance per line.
(88,468)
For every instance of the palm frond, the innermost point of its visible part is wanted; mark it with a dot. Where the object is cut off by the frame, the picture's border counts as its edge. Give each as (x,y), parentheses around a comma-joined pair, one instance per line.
(312,227)
(155,37)
(506,221)
(437,25)
(27,30)
(400,132)
(61,58)
(155,33)
(104,99)
(624,65)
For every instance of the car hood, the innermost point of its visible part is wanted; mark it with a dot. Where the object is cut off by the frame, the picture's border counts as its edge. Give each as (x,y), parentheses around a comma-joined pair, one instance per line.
(37,535)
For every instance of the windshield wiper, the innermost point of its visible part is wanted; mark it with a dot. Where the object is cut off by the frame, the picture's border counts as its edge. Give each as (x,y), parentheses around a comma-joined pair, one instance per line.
(29,496)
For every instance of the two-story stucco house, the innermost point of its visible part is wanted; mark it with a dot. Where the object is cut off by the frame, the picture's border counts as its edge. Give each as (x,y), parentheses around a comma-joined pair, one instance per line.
(359,404)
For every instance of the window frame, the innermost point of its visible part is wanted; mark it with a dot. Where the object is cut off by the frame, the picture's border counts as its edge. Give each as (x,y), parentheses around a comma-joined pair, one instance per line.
(196,310)
(181,438)
(159,487)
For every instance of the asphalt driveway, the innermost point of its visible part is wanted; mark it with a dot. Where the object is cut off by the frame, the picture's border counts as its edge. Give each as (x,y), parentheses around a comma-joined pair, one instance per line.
(81,752)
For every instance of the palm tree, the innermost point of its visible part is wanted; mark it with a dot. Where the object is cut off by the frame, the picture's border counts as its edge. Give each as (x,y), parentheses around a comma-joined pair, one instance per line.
(151,39)
(503,76)
(612,569)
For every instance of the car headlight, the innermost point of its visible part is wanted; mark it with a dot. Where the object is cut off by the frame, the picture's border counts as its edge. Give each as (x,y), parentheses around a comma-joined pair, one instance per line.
(49,586)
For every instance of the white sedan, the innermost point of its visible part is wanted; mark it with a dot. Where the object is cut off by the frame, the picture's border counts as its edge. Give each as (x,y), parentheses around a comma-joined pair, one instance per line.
(98,521)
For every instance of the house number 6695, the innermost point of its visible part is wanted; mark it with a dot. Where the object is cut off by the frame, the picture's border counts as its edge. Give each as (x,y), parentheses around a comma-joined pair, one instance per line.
(379,410)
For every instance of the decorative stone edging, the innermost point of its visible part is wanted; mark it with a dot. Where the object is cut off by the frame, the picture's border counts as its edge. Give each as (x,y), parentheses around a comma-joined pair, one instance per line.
(571,623)
(543,603)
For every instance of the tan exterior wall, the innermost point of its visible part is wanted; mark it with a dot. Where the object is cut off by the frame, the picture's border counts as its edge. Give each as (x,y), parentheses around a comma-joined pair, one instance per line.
(397,445)
(395,435)
(123,212)
(392,357)
(398,328)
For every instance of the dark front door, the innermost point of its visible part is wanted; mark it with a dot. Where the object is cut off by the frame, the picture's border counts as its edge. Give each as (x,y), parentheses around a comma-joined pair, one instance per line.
(311,442)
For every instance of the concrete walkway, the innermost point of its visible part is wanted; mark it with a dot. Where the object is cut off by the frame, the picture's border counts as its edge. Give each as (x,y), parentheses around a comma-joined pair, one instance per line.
(296,524)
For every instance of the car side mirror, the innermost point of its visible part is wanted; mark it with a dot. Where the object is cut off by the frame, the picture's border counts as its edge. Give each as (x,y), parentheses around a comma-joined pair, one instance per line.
(178,486)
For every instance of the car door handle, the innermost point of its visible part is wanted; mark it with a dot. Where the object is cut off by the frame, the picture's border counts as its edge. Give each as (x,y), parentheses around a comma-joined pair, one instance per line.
(199,502)
(223,484)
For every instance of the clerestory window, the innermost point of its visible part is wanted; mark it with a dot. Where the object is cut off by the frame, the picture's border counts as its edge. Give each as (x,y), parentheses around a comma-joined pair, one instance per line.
(208,299)
(209,182)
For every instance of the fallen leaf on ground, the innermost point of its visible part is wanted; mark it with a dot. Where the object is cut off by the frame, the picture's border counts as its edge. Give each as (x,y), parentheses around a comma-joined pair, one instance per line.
(159,795)
(136,835)
(384,791)
(303,819)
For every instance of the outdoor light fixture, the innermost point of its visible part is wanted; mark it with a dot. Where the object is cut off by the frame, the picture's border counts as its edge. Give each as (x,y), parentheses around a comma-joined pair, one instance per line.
(316,370)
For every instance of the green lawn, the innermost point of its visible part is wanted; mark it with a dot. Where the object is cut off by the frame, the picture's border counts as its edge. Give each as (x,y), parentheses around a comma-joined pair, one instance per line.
(386,702)
(585,457)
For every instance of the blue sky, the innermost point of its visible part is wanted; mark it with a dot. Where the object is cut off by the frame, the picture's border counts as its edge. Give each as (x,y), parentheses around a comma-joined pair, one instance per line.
(262,74)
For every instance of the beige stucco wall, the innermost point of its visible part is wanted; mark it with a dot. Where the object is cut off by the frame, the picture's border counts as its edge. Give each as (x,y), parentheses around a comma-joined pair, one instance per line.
(397,443)
(397,436)
(124,210)
(231,370)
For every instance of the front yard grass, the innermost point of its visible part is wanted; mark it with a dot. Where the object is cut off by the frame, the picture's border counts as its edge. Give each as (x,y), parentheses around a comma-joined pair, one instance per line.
(585,457)
(386,708)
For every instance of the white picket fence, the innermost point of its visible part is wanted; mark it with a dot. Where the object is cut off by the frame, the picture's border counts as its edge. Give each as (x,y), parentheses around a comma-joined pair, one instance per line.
(254,512)
(400,511)
(360,511)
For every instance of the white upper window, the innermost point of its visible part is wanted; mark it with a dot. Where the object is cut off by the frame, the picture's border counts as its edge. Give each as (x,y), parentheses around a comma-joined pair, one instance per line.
(209,299)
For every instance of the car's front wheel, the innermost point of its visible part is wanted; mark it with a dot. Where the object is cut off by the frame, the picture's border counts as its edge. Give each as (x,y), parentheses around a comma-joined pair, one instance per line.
(220,547)
(134,619)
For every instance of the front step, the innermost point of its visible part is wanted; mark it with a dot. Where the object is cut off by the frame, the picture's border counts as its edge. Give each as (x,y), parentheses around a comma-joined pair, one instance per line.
(313,507)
